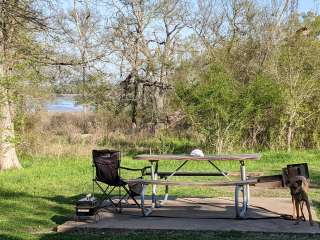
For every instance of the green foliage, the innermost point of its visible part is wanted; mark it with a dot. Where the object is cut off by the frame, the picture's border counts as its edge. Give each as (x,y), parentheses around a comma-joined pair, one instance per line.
(237,102)
(209,103)
(298,73)
(260,106)
(229,113)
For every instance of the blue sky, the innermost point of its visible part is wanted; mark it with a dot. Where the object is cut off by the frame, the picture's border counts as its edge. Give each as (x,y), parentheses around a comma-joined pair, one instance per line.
(307,5)
(304,5)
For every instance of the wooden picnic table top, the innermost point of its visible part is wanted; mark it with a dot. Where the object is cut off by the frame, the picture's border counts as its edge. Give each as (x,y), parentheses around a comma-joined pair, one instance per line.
(183,157)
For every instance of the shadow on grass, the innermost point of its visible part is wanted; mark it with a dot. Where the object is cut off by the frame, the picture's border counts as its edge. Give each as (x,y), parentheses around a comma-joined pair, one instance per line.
(22,211)
(7,237)
(62,200)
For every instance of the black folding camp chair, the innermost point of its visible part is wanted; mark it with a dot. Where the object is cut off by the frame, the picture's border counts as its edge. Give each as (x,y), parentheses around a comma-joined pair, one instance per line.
(107,171)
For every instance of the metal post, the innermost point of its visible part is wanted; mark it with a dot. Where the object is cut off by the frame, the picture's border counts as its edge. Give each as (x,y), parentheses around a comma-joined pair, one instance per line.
(243,177)
(175,171)
(242,171)
(145,211)
(154,177)
(222,172)
(93,178)
(166,192)
(166,178)
(156,203)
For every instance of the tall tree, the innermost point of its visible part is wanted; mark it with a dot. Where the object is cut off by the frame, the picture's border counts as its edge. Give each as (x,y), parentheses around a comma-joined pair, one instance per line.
(18,21)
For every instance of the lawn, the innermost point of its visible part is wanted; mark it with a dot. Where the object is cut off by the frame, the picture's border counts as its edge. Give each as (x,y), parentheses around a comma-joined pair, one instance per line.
(37,198)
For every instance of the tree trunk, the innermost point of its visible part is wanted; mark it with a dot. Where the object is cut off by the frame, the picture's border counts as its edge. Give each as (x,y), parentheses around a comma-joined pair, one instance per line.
(159,98)
(159,101)
(134,105)
(8,155)
(289,138)
(290,131)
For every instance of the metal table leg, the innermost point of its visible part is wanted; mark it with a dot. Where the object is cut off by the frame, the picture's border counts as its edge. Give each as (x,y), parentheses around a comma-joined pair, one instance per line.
(145,211)
(219,170)
(242,194)
(166,192)
(166,178)
(241,200)
(243,177)
(154,176)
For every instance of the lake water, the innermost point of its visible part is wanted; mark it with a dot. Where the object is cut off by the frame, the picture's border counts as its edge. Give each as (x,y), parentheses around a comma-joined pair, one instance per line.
(64,103)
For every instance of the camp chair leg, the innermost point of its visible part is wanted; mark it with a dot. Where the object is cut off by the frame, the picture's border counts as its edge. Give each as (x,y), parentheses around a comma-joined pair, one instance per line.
(119,205)
(109,198)
(121,197)
(131,196)
(106,196)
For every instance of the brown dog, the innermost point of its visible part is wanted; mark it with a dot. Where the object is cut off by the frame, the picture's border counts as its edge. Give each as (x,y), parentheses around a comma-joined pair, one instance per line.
(299,191)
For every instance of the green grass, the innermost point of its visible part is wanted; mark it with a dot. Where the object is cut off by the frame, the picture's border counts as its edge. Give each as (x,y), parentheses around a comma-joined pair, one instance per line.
(37,198)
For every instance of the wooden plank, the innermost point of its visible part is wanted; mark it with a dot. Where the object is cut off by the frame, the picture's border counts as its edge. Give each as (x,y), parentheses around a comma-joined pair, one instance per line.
(236,157)
(270,184)
(178,183)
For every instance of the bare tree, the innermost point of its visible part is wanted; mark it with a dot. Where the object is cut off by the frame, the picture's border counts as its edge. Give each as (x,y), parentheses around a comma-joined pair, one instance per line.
(79,29)
(146,39)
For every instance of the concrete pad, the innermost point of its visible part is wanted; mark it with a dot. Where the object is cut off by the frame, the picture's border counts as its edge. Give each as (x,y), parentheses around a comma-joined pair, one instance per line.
(202,214)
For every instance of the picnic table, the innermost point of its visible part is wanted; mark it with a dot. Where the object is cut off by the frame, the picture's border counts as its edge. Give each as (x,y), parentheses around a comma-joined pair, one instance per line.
(242,186)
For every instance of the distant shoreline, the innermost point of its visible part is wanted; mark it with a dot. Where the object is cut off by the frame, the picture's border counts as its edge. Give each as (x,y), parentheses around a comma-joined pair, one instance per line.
(64,103)
(67,95)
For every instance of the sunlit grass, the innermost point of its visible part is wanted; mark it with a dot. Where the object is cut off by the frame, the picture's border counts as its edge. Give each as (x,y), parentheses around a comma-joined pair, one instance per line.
(42,195)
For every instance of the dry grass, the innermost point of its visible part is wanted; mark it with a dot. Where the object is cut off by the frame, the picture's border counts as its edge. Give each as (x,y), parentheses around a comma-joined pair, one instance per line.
(77,133)
(59,133)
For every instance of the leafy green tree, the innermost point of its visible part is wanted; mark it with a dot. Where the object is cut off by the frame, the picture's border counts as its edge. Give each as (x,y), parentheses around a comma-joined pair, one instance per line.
(298,74)
(209,104)
(259,109)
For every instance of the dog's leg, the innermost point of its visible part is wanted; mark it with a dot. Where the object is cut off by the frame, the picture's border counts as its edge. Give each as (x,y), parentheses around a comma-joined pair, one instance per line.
(297,204)
(293,207)
(309,212)
(302,213)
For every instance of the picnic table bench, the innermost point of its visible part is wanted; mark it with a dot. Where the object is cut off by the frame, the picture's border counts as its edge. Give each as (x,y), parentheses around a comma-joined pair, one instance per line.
(240,187)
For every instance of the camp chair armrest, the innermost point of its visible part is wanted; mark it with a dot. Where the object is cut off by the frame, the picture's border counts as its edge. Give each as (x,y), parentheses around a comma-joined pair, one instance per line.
(135,169)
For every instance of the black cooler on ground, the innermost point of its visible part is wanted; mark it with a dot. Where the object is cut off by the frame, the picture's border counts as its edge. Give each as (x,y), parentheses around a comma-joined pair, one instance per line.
(86,207)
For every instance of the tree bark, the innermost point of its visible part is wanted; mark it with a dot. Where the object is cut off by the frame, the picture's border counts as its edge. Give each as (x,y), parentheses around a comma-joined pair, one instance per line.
(290,131)
(8,155)
(159,98)
(134,105)
(159,102)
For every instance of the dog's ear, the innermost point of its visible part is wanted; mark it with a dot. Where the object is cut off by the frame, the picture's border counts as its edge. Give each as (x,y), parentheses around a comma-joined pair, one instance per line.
(299,182)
